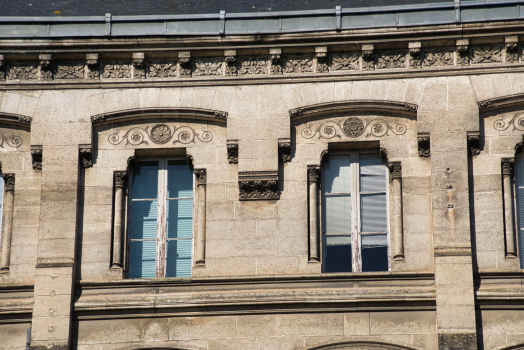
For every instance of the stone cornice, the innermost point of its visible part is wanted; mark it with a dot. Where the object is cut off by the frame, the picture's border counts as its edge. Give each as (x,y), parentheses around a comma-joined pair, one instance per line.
(171,113)
(355,105)
(15,119)
(501,102)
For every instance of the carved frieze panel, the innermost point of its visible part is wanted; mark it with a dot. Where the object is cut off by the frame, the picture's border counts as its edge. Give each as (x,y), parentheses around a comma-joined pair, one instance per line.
(23,71)
(345,61)
(486,54)
(162,69)
(160,134)
(391,59)
(116,69)
(438,57)
(258,185)
(208,66)
(298,64)
(253,65)
(354,127)
(70,70)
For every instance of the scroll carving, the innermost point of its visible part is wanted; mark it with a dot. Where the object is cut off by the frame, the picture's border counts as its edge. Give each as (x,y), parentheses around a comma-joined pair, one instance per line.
(353,127)
(11,140)
(160,134)
(517,121)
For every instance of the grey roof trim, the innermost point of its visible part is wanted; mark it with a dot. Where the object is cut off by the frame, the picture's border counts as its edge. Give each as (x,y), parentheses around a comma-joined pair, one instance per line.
(469,11)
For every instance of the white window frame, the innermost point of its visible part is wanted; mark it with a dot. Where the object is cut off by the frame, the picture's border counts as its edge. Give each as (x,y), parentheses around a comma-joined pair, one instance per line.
(161,237)
(356,234)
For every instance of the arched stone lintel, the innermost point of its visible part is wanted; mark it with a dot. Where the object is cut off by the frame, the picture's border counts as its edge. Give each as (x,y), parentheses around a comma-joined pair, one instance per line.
(145,113)
(15,119)
(408,109)
(362,345)
(501,102)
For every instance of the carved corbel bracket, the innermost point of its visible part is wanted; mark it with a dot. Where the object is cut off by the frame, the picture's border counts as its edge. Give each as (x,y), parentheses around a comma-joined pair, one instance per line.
(322,55)
(36,155)
(92,66)
(201,176)
(368,57)
(423,144)
(190,161)
(507,166)
(384,154)
(2,67)
(276,61)
(231,62)
(324,156)
(45,61)
(284,150)
(138,65)
(232,151)
(184,60)
(462,52)
(9,181)
(473,143)
(395,169)
(86,155)
(414,53)
(512,43)
(221,115)
(258,185)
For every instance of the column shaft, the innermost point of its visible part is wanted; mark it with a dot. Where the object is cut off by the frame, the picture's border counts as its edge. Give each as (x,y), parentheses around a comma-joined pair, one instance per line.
(8,220)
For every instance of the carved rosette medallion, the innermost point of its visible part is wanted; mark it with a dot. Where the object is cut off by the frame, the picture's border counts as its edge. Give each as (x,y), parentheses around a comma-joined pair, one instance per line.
(160,134)
(353,127)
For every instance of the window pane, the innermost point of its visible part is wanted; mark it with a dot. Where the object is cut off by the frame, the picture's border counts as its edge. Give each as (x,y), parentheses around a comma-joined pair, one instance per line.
(371,164)
(336,177)
(337,254)
(374,253)
(178,262)
(180,218)
(142,256)
(179,180)
(373,213)
(145,180)
(519,179)
(337,214)
(143,220)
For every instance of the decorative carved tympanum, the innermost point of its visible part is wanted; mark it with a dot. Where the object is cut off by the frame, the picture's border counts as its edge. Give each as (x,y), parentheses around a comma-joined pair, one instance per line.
(160,134)
(353,127)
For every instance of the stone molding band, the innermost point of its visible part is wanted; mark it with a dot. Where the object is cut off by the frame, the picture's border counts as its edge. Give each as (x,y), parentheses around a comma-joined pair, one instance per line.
(171,113)
(352,105)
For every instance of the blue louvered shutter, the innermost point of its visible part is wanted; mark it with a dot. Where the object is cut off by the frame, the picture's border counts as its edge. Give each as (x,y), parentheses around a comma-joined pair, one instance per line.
(143,221)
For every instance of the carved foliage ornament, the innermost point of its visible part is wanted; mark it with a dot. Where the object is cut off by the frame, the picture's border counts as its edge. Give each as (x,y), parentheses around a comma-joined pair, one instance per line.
(391,59)
(70,70)
(313,173)
(209,66)
(259,189)
(284,151)
(298,64)
(115,70)
(23,71)
(435,58)
(253,65)
(345,61)
(120,178)
(486,54)
(162,69)
(507,166)
(395,168)
(353,127)
(201,176)
(160,134)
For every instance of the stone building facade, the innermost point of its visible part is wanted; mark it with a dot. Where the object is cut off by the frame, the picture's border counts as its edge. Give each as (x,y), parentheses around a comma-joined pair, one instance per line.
(259,119)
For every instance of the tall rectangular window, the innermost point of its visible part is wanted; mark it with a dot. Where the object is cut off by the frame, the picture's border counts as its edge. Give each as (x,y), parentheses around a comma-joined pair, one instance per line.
(160,219)
(354,213)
